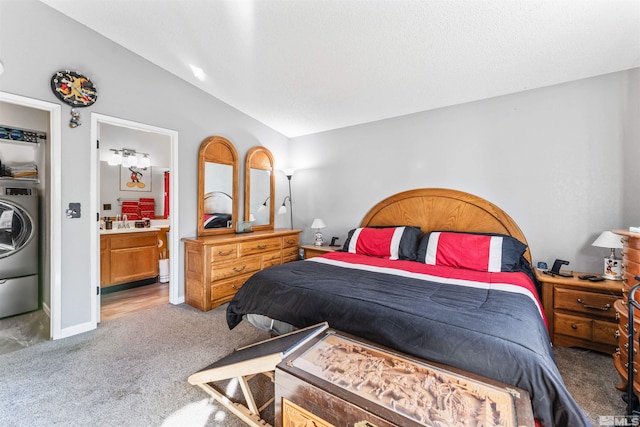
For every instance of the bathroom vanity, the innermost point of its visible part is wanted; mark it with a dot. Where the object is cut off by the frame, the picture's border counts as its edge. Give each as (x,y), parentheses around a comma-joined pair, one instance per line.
(128,255)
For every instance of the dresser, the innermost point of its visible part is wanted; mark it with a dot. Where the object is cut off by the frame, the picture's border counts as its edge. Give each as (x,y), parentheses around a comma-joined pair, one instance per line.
(630,269)
(217,266)
(579,312)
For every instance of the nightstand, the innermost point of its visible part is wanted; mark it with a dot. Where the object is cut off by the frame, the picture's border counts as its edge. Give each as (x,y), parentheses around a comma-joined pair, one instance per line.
(312,250)
(580,313)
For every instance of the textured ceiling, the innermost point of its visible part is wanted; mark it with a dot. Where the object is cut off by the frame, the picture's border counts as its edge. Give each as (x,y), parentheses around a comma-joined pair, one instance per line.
(307,66)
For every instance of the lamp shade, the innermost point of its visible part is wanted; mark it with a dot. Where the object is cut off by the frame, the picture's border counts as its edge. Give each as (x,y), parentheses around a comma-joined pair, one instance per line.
(288,171)
(318,223)
(608,239)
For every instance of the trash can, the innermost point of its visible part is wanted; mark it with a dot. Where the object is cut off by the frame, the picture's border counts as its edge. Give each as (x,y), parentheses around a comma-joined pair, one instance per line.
(164,270)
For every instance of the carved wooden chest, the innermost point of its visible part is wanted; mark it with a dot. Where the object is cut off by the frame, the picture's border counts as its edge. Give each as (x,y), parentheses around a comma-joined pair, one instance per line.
(340,380)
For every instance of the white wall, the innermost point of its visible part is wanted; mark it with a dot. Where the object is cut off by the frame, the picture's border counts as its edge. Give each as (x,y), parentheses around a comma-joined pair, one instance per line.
(552,158)
(50,42)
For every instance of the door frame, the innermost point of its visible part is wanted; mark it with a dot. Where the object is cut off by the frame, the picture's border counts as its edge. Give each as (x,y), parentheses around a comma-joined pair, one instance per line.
(53,257)
(173,241)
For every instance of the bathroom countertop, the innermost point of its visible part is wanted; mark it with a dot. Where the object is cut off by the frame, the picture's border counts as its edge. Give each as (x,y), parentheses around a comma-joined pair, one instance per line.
(116,230)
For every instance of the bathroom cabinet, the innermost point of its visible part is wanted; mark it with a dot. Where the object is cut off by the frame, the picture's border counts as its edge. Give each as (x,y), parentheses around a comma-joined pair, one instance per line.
(128,256)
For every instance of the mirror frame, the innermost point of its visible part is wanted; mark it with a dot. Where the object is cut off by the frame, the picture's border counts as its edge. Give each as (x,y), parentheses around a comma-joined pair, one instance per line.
(259,158)
(216,149)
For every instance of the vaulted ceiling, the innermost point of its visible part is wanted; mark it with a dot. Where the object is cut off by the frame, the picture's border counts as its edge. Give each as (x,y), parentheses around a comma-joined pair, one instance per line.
(306,66)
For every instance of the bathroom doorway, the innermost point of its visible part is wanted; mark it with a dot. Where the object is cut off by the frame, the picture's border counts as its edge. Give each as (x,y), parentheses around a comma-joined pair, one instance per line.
(115,194)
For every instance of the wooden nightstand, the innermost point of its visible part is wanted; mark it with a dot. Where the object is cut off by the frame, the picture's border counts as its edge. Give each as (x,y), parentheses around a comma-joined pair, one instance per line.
(312,250)
(580,312)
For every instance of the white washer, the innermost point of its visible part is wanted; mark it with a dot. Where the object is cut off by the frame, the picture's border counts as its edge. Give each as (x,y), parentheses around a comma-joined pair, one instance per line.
(19,289)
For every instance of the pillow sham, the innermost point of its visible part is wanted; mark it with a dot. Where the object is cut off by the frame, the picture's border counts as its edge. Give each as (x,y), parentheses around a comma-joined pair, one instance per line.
(384,242)
(473,251)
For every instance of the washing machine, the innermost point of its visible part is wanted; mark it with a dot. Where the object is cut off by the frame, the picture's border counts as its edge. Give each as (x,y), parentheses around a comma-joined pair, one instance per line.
(18,252)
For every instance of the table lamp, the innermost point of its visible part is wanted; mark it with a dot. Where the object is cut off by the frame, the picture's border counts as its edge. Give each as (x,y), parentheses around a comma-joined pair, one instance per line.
(318,224)
(612,265)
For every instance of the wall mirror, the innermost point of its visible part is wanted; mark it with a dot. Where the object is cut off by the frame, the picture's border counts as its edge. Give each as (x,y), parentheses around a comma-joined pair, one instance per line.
(259,188)
(217,186)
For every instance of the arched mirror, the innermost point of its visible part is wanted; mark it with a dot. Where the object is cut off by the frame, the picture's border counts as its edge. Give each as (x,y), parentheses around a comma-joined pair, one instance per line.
(217,186)
(259,188)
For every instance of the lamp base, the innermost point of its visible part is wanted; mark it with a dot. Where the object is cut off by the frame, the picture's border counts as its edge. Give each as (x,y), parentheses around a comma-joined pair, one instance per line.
(319,241)
(612,269)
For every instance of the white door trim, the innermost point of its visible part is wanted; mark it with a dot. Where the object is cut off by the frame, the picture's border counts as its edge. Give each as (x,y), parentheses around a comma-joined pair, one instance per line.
(54,255)
(173,242)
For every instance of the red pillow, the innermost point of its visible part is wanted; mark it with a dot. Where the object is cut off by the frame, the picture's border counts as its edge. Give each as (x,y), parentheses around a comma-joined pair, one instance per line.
(481,252)
(385,242)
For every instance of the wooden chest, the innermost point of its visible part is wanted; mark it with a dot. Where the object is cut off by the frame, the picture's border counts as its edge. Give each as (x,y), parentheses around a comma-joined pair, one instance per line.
(341,380)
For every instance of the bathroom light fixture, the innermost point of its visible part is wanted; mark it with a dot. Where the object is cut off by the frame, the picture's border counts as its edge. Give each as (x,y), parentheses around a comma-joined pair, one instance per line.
(129,158)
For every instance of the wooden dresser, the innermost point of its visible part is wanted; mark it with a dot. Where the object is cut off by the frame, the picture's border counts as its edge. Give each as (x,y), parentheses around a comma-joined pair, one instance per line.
(217,266)
(630,269)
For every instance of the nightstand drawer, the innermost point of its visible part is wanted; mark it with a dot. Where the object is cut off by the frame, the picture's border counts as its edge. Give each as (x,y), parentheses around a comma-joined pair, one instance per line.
(588,329)
(585,302)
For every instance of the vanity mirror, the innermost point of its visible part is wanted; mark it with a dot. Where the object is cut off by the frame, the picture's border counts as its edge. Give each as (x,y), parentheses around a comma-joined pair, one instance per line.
(217,187)
(259,188)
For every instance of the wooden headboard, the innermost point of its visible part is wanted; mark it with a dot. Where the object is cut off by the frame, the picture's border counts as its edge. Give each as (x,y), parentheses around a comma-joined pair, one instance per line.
(441,209)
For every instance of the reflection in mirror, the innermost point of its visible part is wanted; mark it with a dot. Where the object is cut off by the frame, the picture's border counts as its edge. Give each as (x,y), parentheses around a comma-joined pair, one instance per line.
(217,186)
(259,188)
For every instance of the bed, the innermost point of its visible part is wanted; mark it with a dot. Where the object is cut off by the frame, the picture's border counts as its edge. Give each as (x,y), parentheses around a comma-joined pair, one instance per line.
(439,274)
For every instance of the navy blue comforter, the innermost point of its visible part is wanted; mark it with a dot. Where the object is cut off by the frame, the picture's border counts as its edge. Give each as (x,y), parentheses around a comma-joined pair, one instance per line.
(470,321)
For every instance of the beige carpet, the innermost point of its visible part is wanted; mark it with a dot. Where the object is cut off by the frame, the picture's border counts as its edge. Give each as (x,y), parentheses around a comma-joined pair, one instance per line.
(133,371)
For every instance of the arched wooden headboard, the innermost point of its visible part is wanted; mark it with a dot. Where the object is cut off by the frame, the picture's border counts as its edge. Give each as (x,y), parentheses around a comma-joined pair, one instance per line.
(441,209)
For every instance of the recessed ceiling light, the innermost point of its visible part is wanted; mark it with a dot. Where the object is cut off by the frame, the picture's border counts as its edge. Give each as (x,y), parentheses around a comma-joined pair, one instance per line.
(198,72)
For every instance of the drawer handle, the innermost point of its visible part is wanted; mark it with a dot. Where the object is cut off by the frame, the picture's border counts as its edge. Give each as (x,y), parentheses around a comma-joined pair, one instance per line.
(606,307)
(225,253)
(290,242)
(617,316)
(234,287)
(262,246)
(574,326)
(617,334)
(239,270)
(626,365)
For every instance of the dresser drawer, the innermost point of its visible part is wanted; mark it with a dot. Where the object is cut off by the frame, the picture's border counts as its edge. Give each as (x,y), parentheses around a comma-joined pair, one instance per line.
(629,267)
(291,241)
(585,302)
(631,254)
(633,243)
(224,290)
(236,267)
(290,254)
(224,252)
(259,246)
(271,259)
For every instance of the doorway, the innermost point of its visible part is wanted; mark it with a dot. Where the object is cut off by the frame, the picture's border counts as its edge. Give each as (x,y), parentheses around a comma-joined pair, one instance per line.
(51,210)
(101,128)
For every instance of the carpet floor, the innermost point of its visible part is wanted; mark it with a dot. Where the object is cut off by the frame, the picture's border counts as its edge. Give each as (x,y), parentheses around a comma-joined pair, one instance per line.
(133,371)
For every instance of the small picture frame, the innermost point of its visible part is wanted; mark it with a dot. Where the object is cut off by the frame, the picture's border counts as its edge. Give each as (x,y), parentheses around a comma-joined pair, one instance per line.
(243,227)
